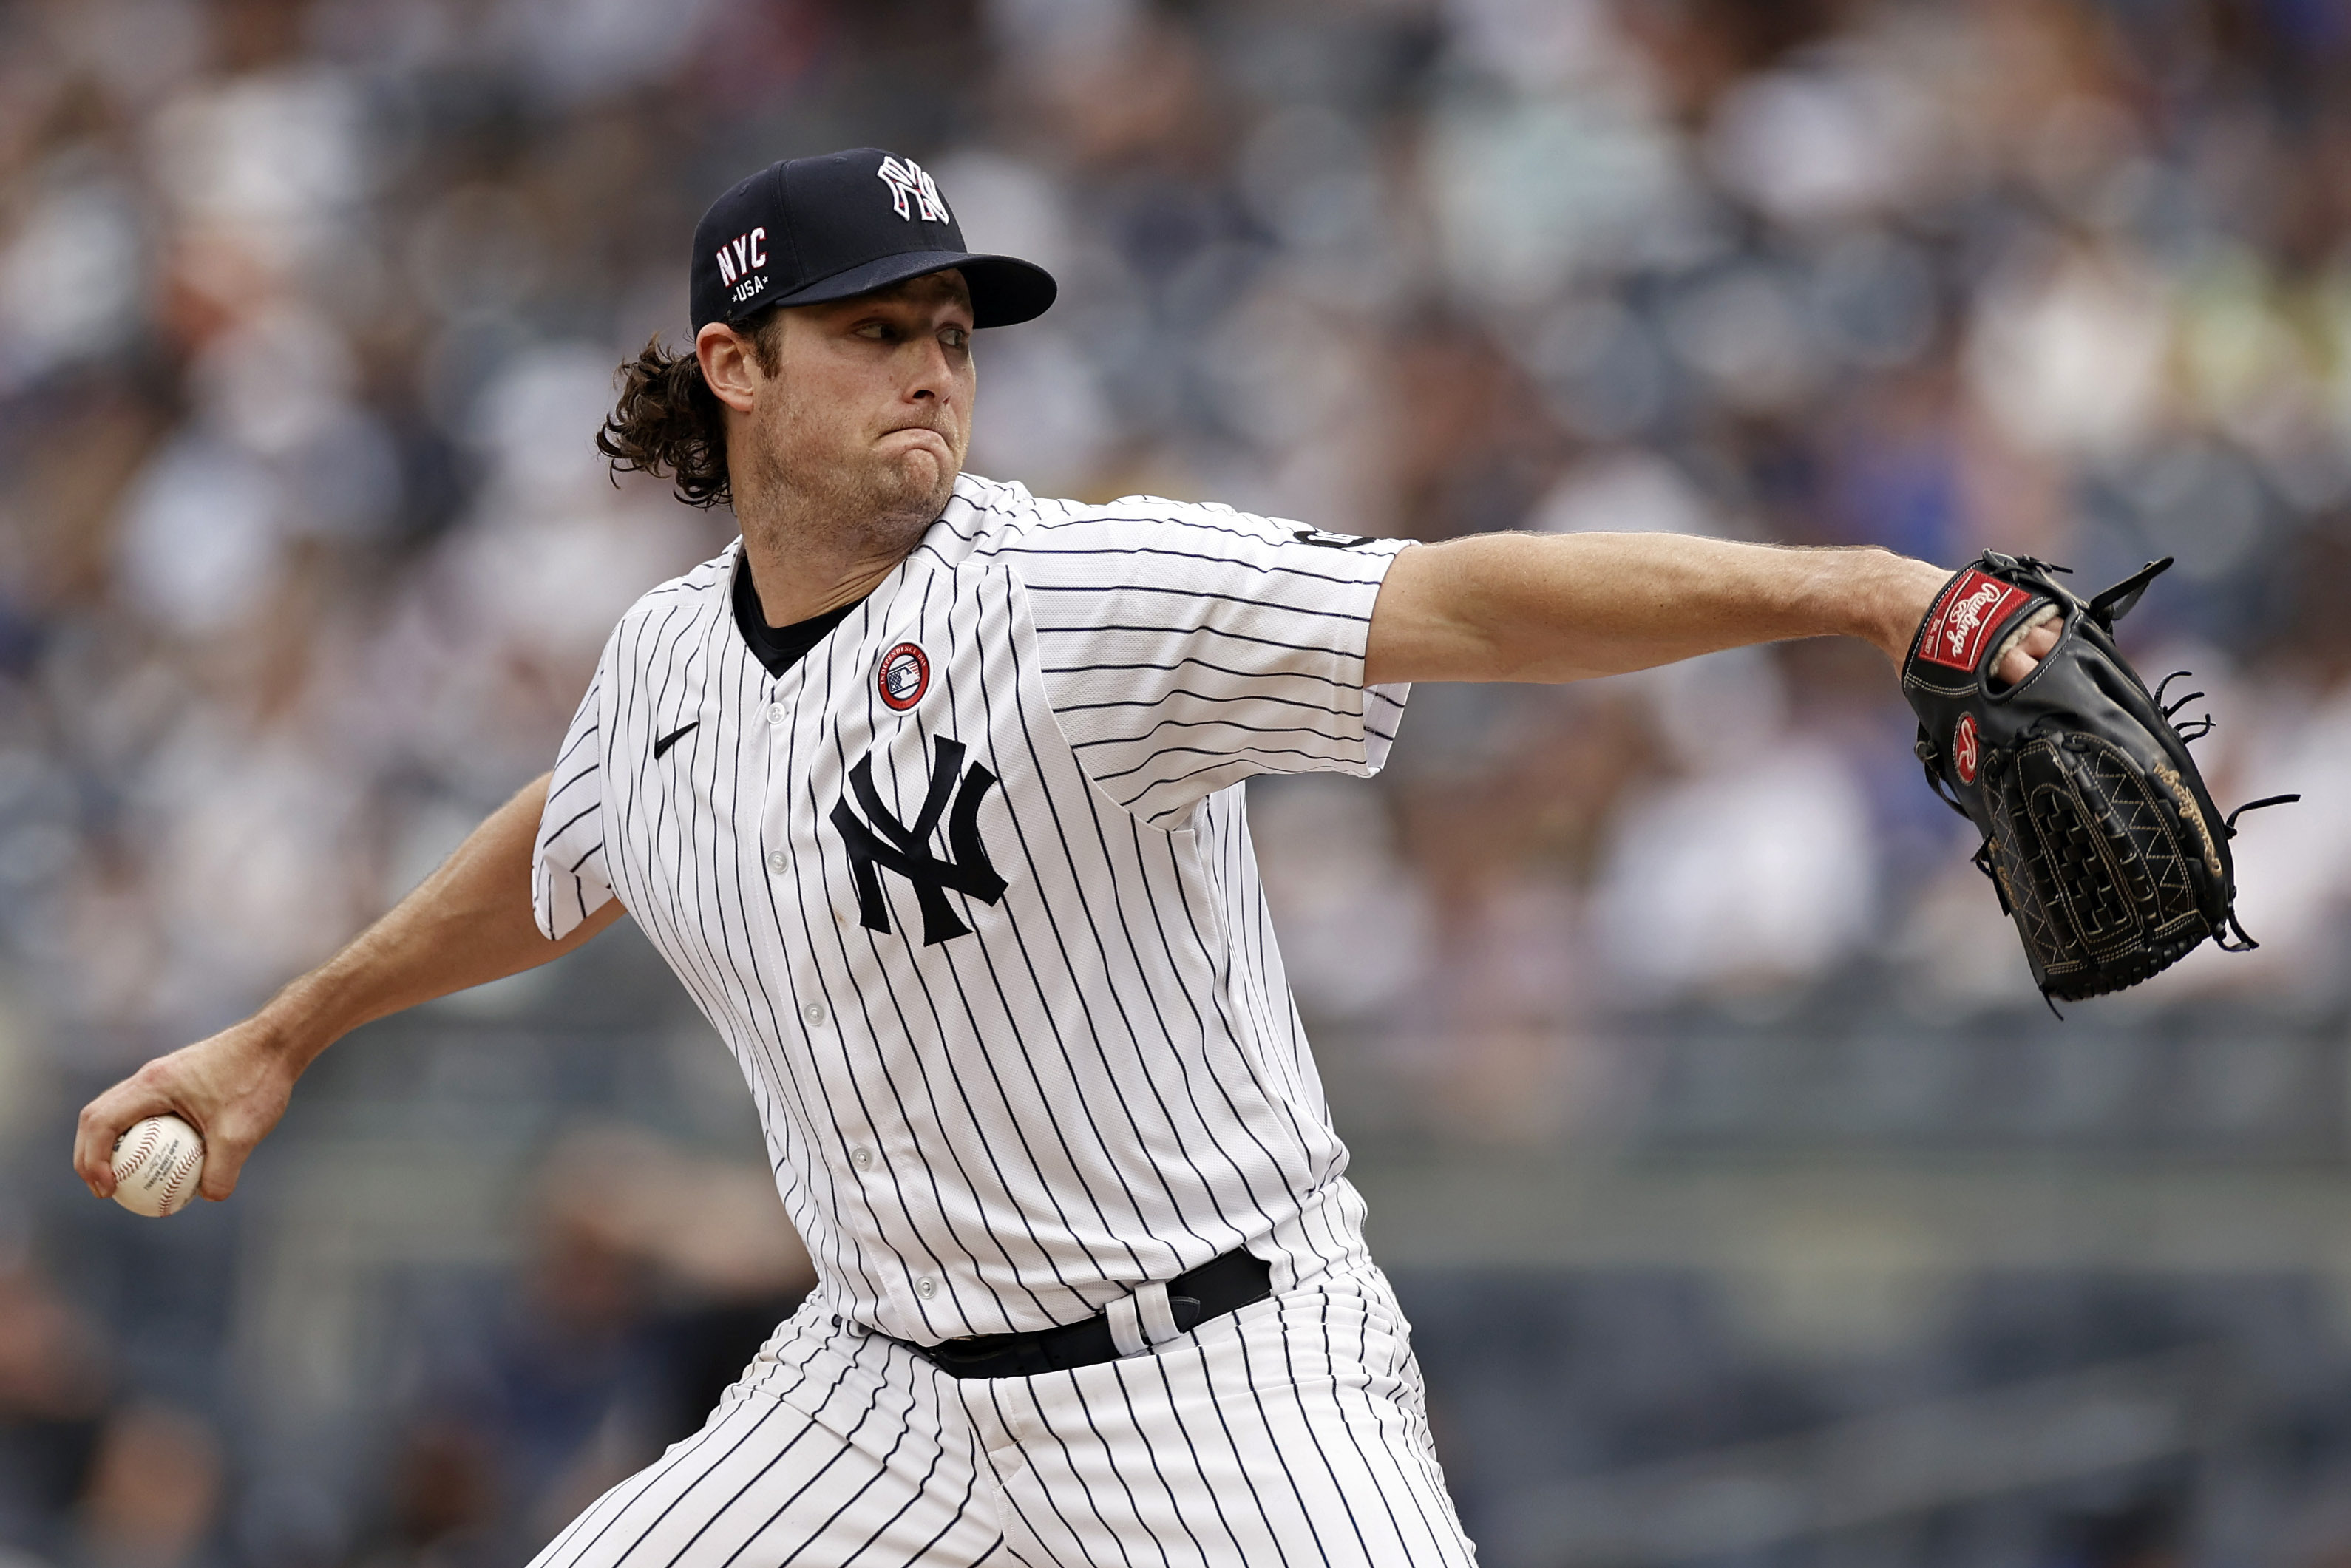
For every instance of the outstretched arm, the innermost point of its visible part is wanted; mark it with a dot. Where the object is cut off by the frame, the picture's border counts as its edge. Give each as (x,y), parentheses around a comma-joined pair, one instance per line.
(469,923)
(1542,607)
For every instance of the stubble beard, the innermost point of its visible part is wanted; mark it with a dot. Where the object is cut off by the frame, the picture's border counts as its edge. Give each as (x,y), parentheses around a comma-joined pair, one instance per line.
(876,508)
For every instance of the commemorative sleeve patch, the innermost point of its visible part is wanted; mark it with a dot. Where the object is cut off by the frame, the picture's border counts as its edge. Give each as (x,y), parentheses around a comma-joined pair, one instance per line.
(904,676)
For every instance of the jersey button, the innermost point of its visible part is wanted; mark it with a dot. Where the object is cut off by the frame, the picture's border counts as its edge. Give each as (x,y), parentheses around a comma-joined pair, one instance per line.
(926,1287)
(862,1159)
(777,712)
(778,862)
(814,1013)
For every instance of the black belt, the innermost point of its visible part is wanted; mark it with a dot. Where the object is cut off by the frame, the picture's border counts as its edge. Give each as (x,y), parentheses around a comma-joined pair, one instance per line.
(1221,1285)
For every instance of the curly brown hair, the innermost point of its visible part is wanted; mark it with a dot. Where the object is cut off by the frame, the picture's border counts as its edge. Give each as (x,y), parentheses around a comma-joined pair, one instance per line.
(667,417)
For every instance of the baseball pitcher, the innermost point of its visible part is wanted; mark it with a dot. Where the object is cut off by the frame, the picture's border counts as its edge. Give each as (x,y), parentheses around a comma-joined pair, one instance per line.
(929,789)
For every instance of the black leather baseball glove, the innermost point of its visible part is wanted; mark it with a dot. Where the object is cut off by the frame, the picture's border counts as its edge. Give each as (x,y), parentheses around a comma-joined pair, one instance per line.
(2097,828)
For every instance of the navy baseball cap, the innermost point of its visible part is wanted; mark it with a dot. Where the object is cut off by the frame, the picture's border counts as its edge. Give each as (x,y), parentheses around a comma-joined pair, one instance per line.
(811,229)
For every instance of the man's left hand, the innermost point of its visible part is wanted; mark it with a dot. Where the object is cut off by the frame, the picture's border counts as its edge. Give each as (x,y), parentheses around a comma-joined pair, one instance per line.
(2017,662)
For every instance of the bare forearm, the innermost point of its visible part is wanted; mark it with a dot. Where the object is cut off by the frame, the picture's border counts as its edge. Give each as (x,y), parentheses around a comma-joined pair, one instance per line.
(467,924)
(1529,607)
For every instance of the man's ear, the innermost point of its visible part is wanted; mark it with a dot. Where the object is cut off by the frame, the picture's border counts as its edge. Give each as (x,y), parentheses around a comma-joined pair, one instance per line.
(729,365)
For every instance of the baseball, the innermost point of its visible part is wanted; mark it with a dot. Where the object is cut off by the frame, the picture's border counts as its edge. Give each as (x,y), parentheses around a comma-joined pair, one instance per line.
(157,1163)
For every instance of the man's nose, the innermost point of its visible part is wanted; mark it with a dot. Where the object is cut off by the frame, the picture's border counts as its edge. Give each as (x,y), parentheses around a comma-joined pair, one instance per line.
(932,376)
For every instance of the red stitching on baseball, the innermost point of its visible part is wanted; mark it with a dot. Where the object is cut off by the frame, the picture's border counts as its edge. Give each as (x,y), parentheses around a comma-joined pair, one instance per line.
(139,1155)
(188,1164)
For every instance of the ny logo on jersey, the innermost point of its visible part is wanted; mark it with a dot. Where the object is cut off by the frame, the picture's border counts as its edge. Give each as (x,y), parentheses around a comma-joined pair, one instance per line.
(910,178)
(882,843)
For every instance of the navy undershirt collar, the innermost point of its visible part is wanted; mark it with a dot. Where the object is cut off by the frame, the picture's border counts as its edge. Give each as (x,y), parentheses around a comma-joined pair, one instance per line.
(778,647)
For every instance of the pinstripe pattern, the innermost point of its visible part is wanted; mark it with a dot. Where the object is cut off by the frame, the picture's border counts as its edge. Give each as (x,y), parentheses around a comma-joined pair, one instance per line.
(995,963)
(1291,1432)
(829,1451)
(1105,1081)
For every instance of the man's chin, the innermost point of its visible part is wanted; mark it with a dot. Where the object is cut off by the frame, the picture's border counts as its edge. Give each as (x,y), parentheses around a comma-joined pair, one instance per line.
(921,480)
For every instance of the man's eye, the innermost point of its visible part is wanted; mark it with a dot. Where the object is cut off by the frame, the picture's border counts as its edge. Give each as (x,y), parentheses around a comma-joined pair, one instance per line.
(955,337)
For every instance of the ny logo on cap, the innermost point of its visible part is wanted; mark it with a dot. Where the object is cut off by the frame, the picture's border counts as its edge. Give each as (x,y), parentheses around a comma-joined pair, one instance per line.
(910,178)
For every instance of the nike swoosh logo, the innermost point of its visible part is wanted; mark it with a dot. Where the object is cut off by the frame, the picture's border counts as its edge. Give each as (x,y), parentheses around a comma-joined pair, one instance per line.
(672,738)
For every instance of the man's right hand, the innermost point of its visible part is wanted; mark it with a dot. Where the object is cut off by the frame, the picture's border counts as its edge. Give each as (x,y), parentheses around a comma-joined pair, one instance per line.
(231,1088)
(469,923)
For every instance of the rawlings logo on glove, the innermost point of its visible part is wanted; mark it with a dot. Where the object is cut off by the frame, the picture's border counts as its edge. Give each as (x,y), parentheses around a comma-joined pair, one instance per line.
(1963,618)
(2098,830)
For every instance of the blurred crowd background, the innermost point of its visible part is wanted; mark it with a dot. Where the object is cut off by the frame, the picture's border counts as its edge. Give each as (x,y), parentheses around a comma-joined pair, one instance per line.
(1750,1207)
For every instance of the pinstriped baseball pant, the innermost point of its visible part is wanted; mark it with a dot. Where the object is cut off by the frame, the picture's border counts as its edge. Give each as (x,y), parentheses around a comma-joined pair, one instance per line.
(1290,1432)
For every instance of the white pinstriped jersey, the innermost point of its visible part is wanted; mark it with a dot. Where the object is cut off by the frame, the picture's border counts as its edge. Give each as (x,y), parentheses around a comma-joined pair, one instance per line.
(969,892)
